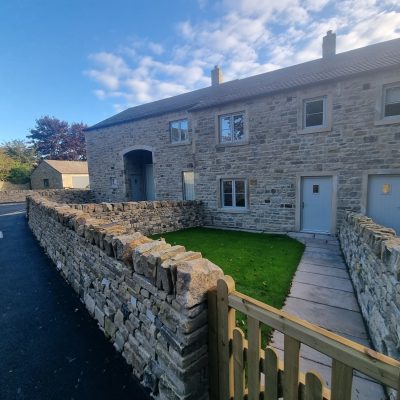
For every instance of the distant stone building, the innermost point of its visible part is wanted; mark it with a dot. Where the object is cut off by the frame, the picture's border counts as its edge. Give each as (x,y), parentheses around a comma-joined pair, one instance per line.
(58,174)
(287,150)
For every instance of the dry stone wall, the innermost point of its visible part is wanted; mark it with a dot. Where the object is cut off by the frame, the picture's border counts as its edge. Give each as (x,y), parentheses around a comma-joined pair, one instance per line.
(372,253)
(148,297)
(148,217)
(60,196)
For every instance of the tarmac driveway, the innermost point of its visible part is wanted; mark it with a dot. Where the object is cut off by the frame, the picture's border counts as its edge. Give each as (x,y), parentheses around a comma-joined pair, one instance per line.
(49,346)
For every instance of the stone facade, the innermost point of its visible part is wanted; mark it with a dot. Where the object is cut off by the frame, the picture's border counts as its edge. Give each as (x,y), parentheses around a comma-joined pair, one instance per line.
(277,152)
(372,253)
(148,297)
(44,171)
(56,179)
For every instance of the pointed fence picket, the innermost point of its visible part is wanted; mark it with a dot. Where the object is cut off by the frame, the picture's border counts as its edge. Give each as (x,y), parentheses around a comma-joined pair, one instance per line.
(240,369)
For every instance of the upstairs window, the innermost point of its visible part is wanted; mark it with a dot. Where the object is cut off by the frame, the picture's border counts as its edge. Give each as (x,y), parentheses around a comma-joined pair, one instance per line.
(179,131)
(391,101)
(233,193)
(45,183)
(231,128)
(314,113)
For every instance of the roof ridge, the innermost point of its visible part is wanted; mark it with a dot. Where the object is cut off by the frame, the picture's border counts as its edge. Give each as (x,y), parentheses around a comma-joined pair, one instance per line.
(361,60)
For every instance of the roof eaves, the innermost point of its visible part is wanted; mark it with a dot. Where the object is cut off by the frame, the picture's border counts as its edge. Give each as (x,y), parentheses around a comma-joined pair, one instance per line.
(125,121)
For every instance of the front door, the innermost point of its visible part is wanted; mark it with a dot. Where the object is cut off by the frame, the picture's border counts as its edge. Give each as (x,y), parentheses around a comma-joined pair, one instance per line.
(383,204)
(316,204)
(149,182)
(137,188)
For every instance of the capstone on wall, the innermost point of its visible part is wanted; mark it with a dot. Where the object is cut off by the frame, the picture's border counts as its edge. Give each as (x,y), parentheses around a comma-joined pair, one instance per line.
(272,158)
(372,253)
(148,297)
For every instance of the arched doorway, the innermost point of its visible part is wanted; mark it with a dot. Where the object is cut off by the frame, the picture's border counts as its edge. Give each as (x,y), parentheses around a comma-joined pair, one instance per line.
(139,179)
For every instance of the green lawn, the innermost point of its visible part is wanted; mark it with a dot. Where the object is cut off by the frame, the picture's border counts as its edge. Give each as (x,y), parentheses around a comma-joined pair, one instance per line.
(262,265)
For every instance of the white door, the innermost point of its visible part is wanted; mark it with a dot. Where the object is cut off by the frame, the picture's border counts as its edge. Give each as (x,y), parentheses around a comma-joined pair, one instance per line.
(316,204)
(137,188)
(80,182)
(383,203)
(150,195)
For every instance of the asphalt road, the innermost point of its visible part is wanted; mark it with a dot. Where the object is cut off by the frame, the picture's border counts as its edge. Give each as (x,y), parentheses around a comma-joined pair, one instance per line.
(49,346)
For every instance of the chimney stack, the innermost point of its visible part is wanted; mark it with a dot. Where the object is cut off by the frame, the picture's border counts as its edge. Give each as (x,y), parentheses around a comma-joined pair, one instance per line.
(329,45)
(216,76)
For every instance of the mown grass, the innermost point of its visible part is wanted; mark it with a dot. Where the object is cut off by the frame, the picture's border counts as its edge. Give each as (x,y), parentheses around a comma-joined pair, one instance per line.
(262,265)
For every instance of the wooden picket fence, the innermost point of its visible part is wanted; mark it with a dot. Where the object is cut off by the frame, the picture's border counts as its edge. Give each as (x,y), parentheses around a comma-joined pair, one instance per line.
(241,369)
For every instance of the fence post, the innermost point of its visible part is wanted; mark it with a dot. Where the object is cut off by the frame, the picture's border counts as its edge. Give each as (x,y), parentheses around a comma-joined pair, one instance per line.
(342,378)
(213,373)
(291,368)
(226,324)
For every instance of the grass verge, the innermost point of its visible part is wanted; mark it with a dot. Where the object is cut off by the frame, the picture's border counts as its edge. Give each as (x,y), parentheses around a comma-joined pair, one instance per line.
(262,265)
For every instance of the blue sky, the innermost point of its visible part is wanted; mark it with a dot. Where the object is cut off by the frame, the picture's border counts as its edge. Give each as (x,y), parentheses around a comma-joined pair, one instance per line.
(85,60)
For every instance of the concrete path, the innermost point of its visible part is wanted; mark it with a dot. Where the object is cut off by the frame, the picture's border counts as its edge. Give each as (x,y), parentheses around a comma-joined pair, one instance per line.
(50,348)
(322,293)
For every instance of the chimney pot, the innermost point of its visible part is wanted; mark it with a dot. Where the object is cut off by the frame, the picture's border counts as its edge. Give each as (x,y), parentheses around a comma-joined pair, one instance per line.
(216,76)
(329,45)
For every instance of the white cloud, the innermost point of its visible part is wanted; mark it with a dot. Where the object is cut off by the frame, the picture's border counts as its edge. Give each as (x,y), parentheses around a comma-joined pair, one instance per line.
(156,48)
(249,37)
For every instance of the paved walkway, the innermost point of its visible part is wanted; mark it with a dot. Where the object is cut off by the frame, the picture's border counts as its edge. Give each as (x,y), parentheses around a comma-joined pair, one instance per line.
(49,346)
(322,293)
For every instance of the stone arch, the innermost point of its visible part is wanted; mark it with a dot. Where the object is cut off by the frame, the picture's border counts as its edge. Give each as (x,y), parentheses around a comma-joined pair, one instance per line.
(137,147)
(138,172)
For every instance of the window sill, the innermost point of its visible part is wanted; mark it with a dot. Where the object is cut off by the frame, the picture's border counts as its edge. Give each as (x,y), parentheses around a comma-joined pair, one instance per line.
(387,121)
(233,210)
(314,129)
(232,144)
(179,144)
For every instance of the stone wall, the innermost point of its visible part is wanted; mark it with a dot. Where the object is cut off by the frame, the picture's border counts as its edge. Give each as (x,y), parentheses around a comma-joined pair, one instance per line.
(59,196)
(372,253)
(148,217)
(148,297)
(14,196)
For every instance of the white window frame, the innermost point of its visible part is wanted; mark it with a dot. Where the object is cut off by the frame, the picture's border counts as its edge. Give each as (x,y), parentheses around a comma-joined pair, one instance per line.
(385,88)
(324,112)
(380,93)
(231,116)
(180,141)
(184,196)
(222,197)
(327,112)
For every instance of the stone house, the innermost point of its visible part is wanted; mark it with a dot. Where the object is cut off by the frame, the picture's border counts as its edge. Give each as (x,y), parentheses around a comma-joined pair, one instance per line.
(287,150)
(59,174)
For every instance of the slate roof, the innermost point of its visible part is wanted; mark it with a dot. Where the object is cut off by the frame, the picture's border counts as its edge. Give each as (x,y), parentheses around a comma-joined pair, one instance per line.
(69,167)
(378,56)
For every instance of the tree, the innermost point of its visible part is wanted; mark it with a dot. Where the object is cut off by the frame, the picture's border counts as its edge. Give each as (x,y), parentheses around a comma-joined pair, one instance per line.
(20,173)
(20,152)
(6,163)
(58,140)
